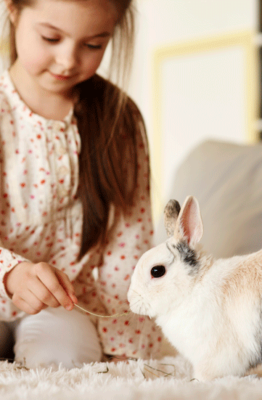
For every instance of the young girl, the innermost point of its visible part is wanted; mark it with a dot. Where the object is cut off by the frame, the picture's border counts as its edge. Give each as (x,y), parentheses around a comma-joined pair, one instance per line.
(74,186)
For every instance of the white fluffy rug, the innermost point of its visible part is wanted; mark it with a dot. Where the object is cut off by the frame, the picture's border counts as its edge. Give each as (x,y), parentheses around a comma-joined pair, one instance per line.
(136,380)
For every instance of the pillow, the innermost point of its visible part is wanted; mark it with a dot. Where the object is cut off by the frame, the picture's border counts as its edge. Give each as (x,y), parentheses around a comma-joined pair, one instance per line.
(226,178)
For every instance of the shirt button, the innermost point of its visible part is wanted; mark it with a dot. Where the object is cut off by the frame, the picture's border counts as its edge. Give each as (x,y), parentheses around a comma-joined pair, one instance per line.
(59,125)
(63,170)
(62,192)
(61,151)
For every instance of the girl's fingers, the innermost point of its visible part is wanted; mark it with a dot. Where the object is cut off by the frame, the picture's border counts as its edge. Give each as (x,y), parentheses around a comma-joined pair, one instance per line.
(49,278)
(67,285)
(43,294)
(29,306)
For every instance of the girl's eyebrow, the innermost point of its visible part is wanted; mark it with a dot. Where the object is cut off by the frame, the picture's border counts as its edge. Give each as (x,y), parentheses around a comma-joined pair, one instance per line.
(47,25)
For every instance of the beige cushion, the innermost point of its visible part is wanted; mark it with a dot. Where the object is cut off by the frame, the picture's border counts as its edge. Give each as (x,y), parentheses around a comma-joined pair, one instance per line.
(226,178)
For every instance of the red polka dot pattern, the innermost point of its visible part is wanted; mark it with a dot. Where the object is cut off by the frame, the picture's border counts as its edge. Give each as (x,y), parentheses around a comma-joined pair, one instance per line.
(41,220)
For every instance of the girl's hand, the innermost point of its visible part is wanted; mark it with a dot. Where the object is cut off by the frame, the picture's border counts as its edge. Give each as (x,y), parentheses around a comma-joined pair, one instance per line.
(34,287)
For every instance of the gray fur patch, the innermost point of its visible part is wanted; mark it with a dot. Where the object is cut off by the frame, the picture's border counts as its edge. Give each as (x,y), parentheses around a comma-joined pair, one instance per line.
(187,255)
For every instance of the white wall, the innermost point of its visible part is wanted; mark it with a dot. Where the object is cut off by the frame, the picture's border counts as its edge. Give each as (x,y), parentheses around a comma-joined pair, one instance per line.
(162,22)
(203,95)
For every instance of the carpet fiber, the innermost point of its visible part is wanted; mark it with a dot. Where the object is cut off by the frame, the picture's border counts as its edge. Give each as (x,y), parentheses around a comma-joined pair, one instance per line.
(169,378)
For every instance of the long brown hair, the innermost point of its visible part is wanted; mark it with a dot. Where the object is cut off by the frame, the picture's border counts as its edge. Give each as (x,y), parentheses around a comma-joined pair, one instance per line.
(108,145)
(108,123)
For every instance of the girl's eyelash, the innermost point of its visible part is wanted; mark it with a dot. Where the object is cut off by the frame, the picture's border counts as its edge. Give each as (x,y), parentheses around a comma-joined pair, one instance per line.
(93,46)
(90,46)
(51,40)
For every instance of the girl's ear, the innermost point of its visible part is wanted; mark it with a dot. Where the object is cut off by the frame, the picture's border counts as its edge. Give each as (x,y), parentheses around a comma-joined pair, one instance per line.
(12,11)
(189,225)
(171,212)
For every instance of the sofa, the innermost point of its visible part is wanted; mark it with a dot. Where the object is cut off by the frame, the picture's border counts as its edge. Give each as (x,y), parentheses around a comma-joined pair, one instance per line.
(226,178)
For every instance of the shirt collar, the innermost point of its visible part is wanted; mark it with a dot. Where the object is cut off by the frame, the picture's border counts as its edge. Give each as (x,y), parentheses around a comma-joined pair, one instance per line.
(18,104)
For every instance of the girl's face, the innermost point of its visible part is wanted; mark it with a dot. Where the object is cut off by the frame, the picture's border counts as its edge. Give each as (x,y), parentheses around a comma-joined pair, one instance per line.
(61,43)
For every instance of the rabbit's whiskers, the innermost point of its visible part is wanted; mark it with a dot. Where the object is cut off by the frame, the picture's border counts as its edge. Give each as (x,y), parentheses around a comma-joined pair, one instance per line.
(143,305)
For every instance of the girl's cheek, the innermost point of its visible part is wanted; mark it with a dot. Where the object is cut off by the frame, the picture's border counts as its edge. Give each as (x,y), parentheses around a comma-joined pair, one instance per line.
(93,63)
(40,59)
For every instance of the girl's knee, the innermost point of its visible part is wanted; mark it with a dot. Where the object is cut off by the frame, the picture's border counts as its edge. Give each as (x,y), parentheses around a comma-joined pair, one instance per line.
(39,355)
(56,336)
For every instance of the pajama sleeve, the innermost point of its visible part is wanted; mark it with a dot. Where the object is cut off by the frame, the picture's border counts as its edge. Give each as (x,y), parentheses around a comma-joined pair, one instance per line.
(8,260)
(131,335)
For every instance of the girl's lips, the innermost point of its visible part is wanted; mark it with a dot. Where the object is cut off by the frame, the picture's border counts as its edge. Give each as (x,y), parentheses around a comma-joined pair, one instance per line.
(60,77)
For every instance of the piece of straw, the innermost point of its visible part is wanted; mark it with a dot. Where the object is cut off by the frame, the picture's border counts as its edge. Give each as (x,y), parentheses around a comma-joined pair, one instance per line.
(101,316)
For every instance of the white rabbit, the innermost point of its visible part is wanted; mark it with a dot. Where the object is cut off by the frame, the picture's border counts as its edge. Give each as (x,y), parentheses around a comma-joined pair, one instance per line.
(210,310)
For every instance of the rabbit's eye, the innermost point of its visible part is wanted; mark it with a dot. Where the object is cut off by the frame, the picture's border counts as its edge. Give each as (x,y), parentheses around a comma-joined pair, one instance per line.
(158,271)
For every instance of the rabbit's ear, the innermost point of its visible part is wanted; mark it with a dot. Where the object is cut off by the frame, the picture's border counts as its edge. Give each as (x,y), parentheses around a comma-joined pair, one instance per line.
(189,224)
(171,212)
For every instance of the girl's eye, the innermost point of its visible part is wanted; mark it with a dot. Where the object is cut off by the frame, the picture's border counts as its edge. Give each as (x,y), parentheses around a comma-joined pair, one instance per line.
(158,271)
(94,47)
(51,40)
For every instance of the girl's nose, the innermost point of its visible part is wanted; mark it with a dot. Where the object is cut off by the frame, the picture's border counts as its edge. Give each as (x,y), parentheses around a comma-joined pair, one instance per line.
(67,57)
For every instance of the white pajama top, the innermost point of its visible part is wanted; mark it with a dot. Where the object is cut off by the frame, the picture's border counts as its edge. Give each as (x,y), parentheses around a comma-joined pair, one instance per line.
(41,220)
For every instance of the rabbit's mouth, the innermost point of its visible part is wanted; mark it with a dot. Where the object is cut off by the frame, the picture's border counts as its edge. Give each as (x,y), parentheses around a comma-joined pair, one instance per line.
(137,304)
(139,309)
